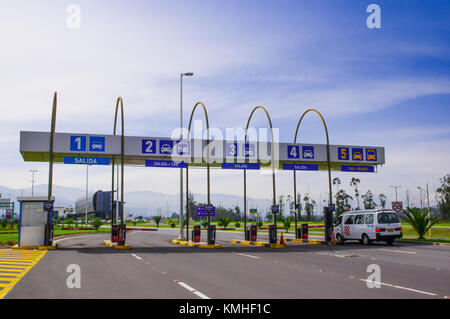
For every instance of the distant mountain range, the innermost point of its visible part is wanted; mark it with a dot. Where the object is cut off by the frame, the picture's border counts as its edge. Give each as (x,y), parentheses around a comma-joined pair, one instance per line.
(139,202)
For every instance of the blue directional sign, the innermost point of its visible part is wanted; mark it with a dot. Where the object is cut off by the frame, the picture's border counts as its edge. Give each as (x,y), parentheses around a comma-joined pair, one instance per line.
(241,165)
(232,149)
(357,168)
(148,146)
(308,152)
(158,163)
(343,153)
(275,209)
(249,150)
(293,151)
(357,154)
(165,147)
(86,160)
(371,154)
(301,167)
(78,143)
(97,144)
(203,210)
(183,147)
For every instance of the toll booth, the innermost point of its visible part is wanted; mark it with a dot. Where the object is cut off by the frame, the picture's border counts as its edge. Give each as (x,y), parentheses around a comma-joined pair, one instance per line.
(211,234)
(272,234)
(34,213)
(196,233)
(251,232)
(302,231)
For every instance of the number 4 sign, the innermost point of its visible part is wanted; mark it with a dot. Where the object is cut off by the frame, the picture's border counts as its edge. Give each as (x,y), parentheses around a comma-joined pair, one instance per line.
(293,151)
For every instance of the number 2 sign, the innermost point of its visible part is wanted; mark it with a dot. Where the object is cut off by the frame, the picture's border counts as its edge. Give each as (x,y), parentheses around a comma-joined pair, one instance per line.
(148,146)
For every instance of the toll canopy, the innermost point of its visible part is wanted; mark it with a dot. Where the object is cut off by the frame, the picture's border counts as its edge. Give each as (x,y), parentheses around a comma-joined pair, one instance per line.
(95,149)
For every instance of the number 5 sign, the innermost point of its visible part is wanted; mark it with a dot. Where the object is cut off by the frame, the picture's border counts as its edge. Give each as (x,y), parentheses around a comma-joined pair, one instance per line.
(343,153)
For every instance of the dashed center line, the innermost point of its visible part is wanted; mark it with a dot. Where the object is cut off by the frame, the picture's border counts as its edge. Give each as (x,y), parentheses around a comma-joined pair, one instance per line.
(250,256)
(196,292)
(400,287)
(136,256)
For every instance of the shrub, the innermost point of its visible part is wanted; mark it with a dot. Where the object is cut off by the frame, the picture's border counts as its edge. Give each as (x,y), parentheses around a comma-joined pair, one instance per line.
(96,223)
(237,225)
(172,224)
(224,222)
(420,220)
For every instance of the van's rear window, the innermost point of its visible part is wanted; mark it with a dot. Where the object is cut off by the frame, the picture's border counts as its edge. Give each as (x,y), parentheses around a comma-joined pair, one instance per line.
(388,218)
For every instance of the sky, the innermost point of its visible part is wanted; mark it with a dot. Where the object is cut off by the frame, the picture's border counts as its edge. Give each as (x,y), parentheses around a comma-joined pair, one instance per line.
(387,86)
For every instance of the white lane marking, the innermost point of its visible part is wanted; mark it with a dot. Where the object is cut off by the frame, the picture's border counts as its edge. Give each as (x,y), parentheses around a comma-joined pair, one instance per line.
(398,251)
(136,256)
(256,257)
(76,236)
(198,293)
(400,287)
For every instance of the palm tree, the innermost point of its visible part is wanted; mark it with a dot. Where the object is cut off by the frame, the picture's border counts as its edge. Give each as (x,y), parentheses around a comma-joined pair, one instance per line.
(224,222)
(337,182)
(382,198)
(420,220)
(355,182)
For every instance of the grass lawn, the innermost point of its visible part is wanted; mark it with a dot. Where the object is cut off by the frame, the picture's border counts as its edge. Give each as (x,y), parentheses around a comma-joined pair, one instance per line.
(13,237)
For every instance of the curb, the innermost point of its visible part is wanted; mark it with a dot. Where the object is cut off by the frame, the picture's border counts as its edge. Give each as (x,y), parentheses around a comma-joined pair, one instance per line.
(115,245)
(257,243)
(192,244)
(313,242)
(33,247)
(424,243)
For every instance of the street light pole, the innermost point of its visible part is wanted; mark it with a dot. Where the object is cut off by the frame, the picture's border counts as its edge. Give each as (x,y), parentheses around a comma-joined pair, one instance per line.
(87,185)
(181,169)
(32,181)
(420,189)
(396,190)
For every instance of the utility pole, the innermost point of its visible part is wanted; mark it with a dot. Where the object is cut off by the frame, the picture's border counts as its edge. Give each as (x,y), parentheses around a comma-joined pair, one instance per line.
(32,181)
(181,169)
(420,189)
(396,191)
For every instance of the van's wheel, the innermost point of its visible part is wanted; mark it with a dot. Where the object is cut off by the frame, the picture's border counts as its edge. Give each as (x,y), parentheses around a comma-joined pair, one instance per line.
(339,238)
(365,239)
(390,242)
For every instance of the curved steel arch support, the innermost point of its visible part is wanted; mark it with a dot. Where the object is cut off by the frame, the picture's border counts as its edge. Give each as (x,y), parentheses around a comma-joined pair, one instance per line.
(122,160)
(272,163)
(330,201)
(50,166)
(207,169)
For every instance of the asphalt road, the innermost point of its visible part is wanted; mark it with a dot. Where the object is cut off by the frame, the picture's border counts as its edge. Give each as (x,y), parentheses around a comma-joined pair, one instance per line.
(156,268)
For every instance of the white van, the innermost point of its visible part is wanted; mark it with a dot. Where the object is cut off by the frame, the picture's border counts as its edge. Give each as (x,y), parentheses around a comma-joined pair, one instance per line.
(368,225)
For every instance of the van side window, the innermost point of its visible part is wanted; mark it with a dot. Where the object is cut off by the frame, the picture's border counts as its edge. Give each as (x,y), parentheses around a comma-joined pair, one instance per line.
(369,219)
(359,219)
(349,220)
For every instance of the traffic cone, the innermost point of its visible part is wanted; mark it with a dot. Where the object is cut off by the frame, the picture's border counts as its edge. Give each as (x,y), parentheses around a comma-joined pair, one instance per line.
(282,239)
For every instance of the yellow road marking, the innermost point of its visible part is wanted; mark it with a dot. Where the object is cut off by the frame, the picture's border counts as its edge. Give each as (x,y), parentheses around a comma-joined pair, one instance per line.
(14,264)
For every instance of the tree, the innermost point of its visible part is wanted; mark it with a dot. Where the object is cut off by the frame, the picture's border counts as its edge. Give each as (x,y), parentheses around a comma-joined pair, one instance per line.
(157,220)
(444,197)
(281,204)
(238,212)
(354,182)
(382,198)
(420,220)
(342,202)
(309,206)
(337,182)
(192,206)
(368,200)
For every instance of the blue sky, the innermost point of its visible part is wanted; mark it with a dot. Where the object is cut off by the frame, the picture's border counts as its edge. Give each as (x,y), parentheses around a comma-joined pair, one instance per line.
(387,87)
